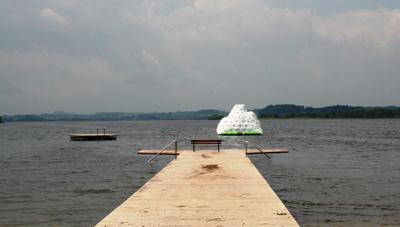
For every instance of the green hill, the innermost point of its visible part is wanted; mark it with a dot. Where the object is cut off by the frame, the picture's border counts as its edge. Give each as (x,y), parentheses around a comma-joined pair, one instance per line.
(338,111)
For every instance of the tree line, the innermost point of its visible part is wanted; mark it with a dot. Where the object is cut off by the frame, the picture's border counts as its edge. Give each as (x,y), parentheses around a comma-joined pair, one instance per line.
(339,111)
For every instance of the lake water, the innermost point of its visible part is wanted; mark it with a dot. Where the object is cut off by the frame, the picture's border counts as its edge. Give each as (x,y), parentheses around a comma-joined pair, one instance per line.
(338,172)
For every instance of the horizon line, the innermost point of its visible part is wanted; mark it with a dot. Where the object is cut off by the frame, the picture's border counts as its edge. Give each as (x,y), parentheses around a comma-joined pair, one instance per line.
(196,110)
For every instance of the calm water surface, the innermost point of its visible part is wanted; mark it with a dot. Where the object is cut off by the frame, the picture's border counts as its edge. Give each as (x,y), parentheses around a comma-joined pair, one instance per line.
(338,172)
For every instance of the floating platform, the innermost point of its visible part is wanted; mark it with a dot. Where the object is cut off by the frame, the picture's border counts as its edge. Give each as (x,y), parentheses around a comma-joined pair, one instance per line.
(92,137)
(205,188)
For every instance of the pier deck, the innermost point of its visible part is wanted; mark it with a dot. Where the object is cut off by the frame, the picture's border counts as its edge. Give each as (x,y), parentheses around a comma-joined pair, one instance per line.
(205,188)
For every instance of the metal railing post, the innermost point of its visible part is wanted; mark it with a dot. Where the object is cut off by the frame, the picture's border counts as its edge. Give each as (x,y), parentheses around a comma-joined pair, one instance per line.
(176,148)
(246,142)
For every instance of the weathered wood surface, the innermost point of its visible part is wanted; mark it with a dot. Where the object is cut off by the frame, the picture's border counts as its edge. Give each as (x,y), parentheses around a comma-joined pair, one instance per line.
(153,152)
(249,151)
(267,151)
(207,188)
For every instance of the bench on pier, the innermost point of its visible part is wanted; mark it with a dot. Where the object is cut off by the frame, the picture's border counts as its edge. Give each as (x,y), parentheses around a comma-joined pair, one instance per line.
(205,142)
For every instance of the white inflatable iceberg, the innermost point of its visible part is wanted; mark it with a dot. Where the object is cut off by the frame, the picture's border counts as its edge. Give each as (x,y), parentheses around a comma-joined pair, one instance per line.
(240,122)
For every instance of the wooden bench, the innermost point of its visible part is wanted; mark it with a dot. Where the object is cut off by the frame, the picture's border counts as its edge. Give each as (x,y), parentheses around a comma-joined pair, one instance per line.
(194,142)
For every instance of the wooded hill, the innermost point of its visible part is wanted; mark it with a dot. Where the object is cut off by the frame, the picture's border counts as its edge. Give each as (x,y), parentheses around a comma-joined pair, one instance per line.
(338,111)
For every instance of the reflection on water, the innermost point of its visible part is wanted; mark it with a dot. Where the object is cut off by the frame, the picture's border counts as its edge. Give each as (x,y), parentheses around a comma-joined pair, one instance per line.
(338,172)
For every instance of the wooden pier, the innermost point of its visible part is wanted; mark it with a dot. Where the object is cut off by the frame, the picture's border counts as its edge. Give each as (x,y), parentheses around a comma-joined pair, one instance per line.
(205,188)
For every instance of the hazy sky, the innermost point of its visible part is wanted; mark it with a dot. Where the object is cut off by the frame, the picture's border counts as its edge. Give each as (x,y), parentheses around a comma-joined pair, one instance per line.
(88,56)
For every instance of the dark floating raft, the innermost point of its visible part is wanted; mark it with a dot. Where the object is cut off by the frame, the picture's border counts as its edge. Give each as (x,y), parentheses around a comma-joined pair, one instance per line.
(93,137)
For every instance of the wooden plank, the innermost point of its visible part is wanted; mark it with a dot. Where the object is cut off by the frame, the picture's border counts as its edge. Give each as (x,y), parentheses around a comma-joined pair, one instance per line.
(267,151)
(206,188)
(249,151)
(153,152)
(206,141)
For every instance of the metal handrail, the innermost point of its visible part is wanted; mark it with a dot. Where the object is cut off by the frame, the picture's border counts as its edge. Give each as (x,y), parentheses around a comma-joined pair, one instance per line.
(165,148)
(246,144)
(262,152)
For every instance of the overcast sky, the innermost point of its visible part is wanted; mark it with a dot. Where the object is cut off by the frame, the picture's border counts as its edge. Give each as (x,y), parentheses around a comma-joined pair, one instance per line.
(88,56)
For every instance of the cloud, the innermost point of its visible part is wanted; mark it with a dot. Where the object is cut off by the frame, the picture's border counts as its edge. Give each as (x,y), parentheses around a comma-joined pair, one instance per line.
(48,81)
(215,52)
(375,27)
(42,81)
(52,16)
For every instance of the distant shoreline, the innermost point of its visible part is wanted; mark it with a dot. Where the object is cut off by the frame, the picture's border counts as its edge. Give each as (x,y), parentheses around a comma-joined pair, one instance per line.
(326,118)
(329,112)
(261,119)
(280,111)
